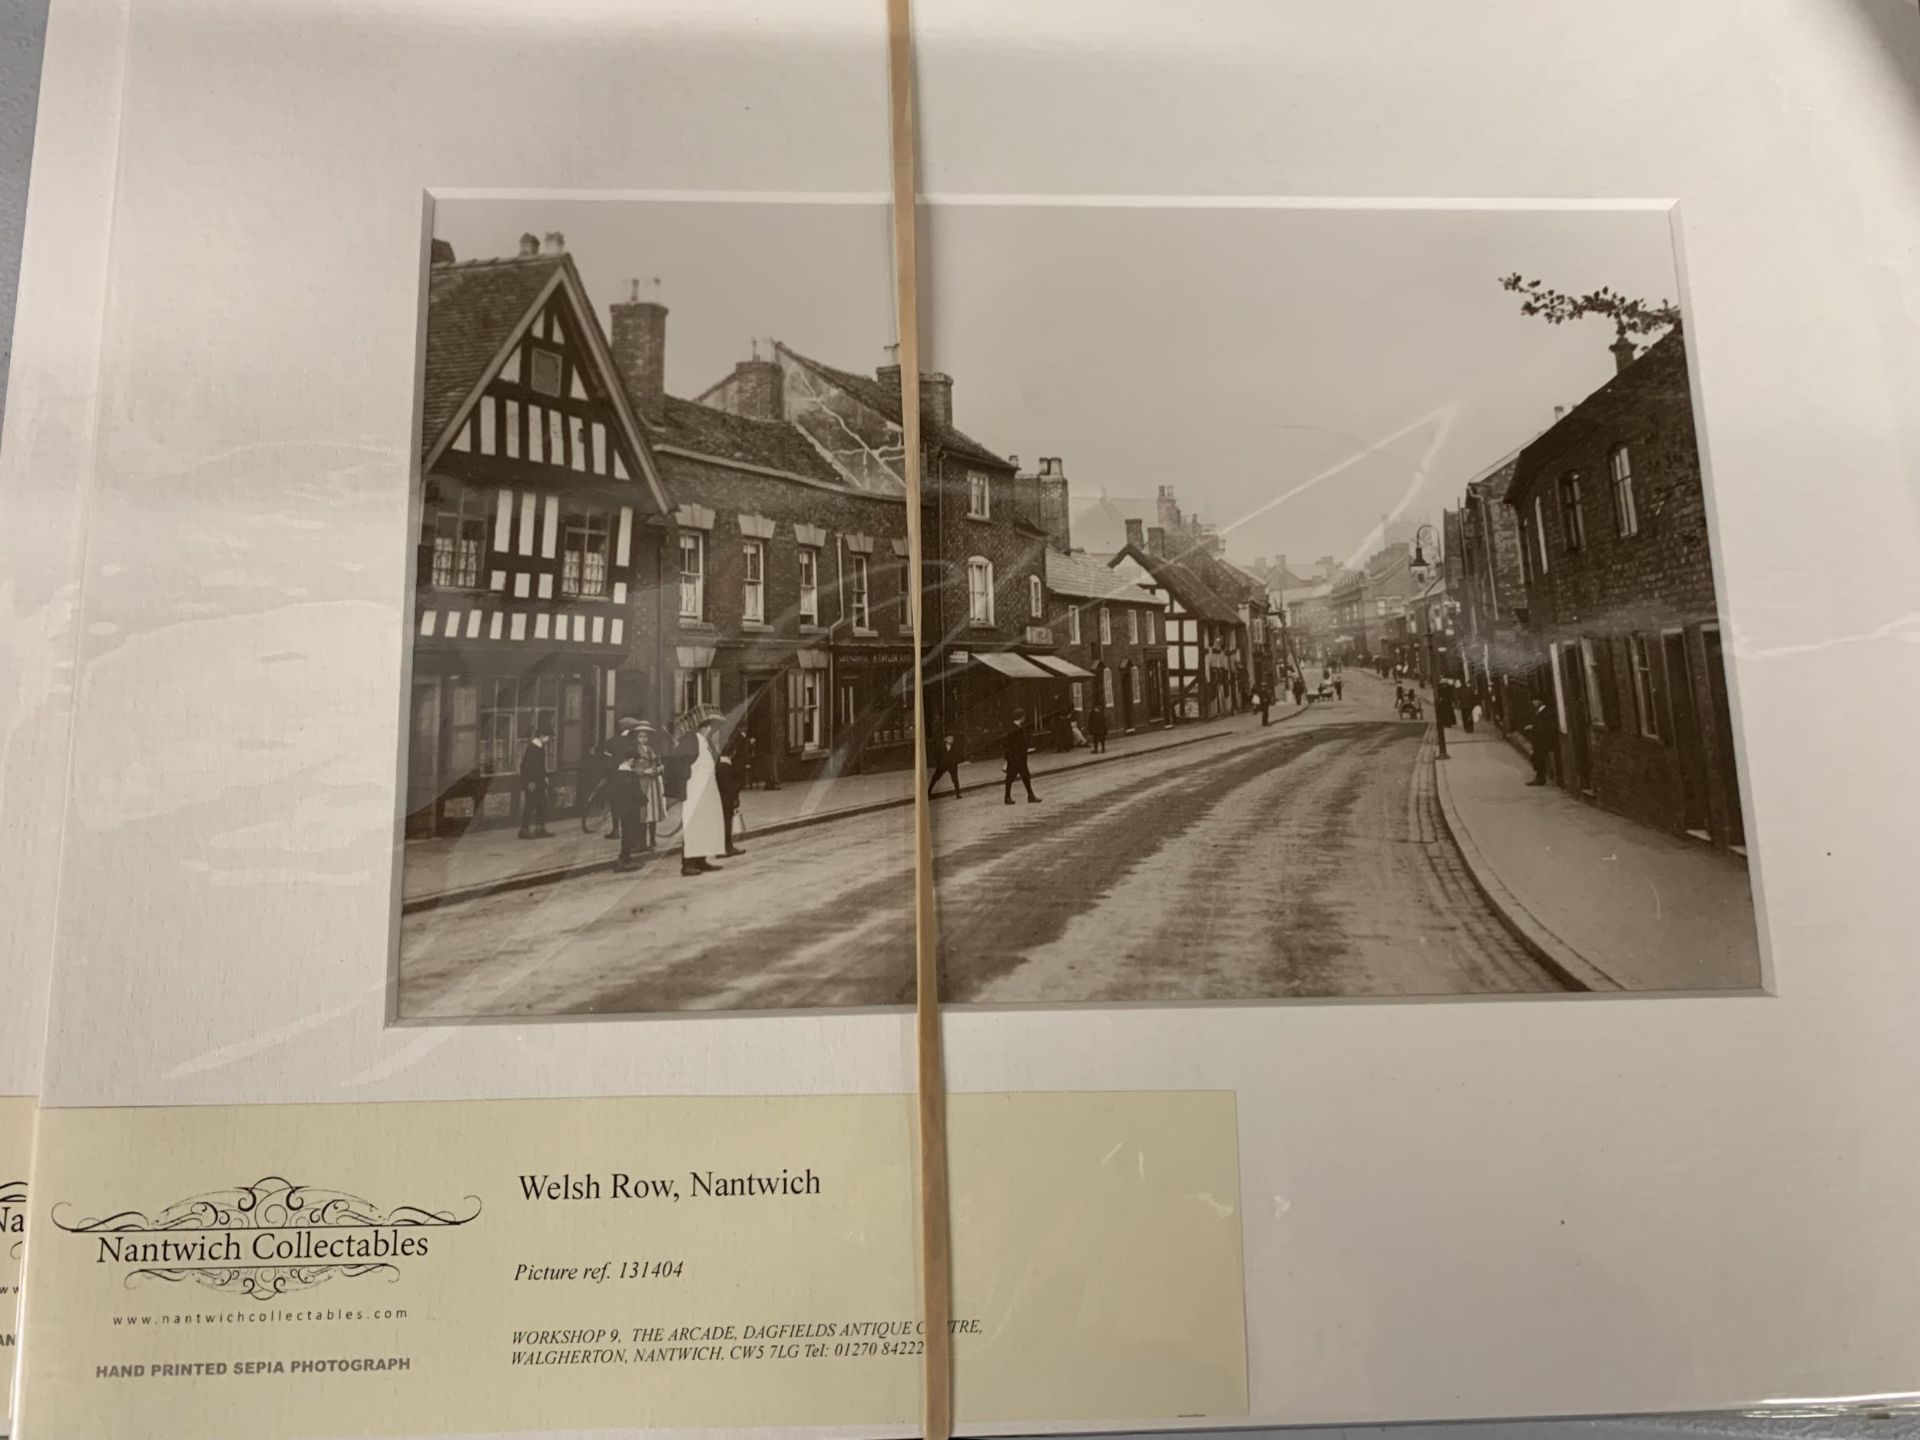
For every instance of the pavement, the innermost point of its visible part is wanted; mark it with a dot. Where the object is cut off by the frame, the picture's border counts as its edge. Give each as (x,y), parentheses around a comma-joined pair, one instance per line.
(1306,859)
(452,870)
(1332,855)
(1605,902)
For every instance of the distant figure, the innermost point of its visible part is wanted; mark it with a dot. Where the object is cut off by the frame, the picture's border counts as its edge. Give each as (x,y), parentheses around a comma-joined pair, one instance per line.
(1016,756)
(1469,708)
(1299,689)
(946,761)
(730,774)
(1262,702)
(1097,729)
(1339,685)
(1062,728)
(534,793)
(1443,703)
(1543,735)
(703,827)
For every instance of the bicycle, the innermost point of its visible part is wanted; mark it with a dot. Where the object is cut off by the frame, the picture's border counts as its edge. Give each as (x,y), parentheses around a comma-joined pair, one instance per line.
(596,813)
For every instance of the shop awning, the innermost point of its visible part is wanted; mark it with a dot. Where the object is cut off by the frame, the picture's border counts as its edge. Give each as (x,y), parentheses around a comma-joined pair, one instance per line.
(1014,667)
(1061,667)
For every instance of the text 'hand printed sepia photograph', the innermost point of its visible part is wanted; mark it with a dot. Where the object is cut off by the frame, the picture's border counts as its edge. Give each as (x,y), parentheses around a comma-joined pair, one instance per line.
(1319,603)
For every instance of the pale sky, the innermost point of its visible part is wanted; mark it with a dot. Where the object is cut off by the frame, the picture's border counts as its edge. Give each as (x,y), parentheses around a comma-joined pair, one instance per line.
(1237,355)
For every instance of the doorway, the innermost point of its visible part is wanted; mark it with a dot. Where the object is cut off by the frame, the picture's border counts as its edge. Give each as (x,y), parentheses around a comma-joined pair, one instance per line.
(757,735)
(1684,718)
(1573,682)
(1726,773)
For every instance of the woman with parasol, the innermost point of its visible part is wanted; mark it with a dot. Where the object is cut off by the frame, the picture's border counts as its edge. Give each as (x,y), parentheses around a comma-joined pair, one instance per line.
(703,827)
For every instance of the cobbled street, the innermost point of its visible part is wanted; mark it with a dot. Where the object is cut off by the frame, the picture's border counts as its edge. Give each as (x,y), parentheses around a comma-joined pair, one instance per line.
(1305,859)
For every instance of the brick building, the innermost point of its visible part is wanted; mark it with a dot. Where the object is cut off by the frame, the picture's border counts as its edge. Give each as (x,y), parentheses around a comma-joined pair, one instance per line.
(985,568)
(789,580)
(541,538)
(1307,613)
(1483,572)
(1369,604)
(1620,606)
(1111,628)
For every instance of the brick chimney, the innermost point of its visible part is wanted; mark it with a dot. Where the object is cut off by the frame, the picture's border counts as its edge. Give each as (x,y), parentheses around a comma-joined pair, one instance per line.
(639,337)
(1169,512)
(443,252)
(1137,534)
(554,244)
(1156,540)
(1623,352)
(529,246)
(936,398)
(757,390)
(1055,514)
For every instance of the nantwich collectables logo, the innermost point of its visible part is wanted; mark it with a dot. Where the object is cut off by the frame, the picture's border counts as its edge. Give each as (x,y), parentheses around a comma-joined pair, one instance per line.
(264,1240)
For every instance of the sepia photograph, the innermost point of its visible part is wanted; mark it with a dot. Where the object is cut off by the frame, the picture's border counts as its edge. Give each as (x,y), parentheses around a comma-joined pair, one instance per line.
(1319,603)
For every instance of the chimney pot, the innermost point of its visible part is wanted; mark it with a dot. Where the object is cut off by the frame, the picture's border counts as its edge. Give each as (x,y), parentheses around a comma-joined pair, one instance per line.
(1623,352)
(1559,411)
(555,244)
(529,245)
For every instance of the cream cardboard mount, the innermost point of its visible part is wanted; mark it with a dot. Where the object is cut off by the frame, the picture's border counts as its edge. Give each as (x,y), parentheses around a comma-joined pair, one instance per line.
(1436,1211)
(45,461)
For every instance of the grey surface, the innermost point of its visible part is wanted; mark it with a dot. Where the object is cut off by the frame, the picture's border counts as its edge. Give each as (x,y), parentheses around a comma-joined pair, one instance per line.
(22,33)
(23,29)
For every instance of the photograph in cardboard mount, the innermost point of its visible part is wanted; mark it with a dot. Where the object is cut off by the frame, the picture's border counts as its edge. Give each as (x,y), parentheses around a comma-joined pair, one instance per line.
(1319,603)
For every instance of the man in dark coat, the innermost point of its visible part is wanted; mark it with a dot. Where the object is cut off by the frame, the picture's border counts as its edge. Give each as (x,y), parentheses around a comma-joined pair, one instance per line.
(1097,729)
(624,795)
(1443,704)
(1016,755)
(1299,689)
(1543,734)
(946,761)
(534,793)
(730,776)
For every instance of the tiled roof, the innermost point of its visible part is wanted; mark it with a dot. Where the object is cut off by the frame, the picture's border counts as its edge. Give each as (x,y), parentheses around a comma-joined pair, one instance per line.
(1088,577)
(773,444)
(1248,583)
(885,400)
(1188,578)
(472,306)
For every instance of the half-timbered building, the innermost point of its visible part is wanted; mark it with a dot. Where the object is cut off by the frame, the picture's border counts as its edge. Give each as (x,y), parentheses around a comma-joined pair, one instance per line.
(542,543)
(1208,647)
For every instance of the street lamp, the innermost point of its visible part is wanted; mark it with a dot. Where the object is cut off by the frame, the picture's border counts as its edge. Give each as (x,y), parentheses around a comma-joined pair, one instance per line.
(1422,538)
